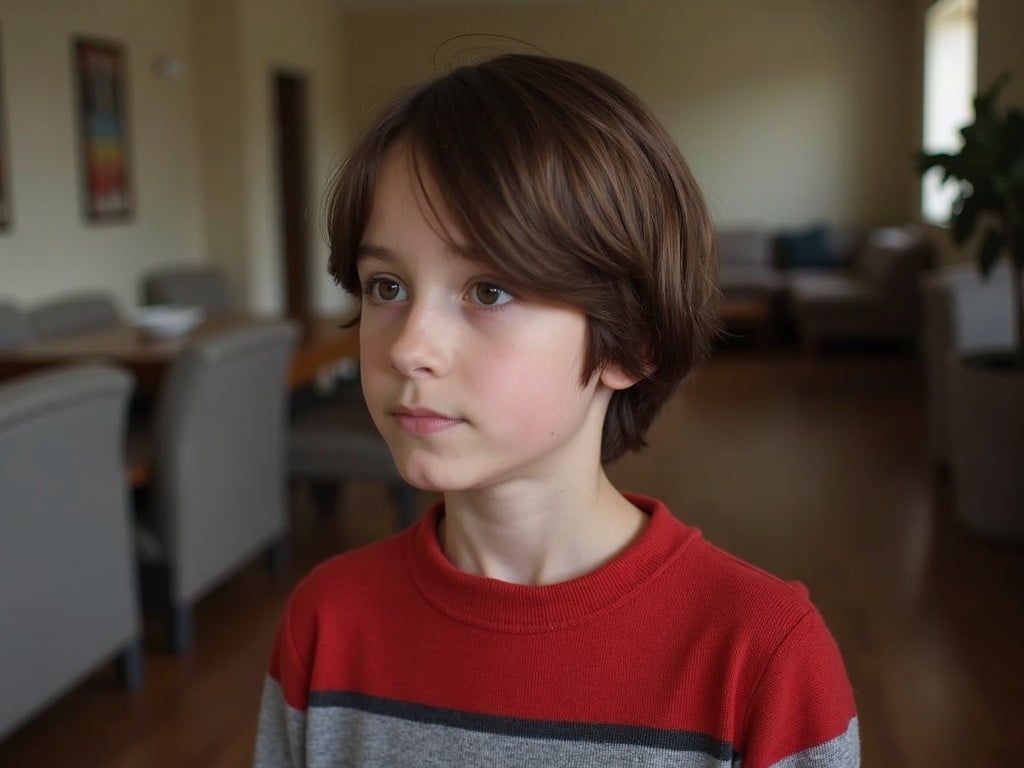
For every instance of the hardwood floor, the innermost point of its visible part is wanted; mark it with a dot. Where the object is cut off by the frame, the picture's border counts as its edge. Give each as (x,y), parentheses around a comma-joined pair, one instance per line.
(816,471)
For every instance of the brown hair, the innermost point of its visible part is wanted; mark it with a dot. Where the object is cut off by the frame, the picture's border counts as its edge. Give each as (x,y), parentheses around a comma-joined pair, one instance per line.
(561,179)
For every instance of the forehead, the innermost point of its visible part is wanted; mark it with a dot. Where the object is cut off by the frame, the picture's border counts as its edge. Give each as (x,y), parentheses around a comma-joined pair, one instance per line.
(408,212)
(405,194)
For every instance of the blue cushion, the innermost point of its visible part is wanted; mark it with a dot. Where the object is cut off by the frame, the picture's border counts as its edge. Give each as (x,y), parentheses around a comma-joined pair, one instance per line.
(807,248)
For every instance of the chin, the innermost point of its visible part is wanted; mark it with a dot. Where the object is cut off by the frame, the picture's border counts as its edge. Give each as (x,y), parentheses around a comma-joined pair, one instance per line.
(425,474)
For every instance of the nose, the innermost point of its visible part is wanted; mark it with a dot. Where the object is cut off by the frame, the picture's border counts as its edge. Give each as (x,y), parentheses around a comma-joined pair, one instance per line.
(421,346)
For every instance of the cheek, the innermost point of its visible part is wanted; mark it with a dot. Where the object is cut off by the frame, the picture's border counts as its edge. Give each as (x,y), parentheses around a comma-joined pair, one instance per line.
(372,373)
(537,395)
(373,343)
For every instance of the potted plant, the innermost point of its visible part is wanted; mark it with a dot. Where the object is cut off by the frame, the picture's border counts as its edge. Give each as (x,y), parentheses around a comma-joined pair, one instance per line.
(986,390)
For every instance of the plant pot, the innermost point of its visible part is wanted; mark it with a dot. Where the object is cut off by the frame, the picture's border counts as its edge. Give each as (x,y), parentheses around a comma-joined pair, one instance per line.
(986,419)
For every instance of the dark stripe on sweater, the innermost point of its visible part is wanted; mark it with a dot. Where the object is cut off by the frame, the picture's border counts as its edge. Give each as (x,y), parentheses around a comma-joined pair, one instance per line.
(598,733)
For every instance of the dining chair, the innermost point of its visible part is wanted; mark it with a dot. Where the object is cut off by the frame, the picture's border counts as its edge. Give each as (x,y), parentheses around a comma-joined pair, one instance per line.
(332,440)
(218,490)
(68,584)
(15,329)
(74,313)
(192,285)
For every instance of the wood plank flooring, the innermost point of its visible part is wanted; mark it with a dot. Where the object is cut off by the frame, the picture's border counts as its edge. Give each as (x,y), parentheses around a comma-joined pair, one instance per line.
(816,471)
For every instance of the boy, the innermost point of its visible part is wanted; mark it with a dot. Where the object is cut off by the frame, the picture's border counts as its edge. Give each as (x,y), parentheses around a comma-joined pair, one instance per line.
(536,268)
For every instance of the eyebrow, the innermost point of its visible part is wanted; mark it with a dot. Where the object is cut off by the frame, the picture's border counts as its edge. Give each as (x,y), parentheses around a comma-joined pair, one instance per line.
(387,254)
(369,249)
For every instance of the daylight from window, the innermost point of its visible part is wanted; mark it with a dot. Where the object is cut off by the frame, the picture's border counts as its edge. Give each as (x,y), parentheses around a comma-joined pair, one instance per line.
(950,80)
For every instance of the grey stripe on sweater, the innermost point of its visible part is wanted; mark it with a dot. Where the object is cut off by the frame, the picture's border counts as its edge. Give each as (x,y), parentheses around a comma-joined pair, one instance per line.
(356,734)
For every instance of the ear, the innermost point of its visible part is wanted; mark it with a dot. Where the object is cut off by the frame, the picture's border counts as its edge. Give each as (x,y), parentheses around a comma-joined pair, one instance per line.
(613,377)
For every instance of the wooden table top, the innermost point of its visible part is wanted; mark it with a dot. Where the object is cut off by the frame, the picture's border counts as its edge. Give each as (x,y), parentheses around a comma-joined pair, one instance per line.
(322,341)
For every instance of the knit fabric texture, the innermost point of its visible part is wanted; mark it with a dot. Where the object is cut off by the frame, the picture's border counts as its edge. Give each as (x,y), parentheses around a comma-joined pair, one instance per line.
(674,653)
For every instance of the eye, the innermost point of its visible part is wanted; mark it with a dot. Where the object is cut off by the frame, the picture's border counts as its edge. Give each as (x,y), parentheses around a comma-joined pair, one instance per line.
(384,290)
(489,295)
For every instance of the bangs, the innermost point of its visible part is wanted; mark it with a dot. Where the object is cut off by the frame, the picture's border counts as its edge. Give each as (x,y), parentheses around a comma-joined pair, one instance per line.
(477,159)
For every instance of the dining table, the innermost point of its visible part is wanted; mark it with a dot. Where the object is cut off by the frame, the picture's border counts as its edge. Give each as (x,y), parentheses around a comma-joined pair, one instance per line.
(323,342)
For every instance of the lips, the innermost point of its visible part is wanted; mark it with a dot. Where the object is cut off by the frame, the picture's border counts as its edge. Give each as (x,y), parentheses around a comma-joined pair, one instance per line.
(422,421)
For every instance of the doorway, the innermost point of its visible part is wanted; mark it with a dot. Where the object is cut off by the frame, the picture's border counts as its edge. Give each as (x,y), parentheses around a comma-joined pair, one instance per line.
(291,118)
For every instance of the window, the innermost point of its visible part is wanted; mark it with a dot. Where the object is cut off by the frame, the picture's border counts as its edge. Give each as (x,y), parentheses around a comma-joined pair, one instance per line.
(950,80)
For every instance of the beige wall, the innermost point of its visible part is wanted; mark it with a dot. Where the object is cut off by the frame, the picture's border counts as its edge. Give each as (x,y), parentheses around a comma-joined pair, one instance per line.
(1000,45)
(217,54)
(202,145)
(789,112)
(299,37)
(51,247)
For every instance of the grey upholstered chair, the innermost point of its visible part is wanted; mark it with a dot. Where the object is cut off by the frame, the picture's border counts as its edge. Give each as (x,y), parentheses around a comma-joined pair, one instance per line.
(333,440)
(74,313)
(15,329)
(218,494)
(68,584)
(194,285)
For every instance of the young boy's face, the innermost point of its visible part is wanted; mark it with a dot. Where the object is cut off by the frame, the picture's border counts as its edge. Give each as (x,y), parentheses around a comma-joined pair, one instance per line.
(472,384)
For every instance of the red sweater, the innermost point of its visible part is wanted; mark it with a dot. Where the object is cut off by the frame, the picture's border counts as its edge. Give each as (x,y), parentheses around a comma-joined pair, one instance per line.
(674,653)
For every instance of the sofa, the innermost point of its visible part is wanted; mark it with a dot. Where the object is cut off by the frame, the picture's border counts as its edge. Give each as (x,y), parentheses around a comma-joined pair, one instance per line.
(832,284)
(751,259)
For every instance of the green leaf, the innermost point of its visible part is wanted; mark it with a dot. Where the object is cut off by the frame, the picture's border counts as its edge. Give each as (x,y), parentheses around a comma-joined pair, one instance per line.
(988,170)
(965,216)
(925,162)
(1013,132)
(967,166)
(991,247)
(984,102)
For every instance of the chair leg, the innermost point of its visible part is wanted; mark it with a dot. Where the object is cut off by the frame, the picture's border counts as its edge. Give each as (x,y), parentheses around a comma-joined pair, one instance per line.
(129,666)
(405,497)
(182,634)
(324,494)
(279,556)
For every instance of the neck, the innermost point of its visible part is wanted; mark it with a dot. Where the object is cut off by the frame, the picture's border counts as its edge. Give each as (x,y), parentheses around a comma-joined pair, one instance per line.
(538,535)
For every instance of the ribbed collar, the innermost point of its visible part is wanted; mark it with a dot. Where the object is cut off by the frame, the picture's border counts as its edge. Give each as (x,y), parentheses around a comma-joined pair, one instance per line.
(503,607)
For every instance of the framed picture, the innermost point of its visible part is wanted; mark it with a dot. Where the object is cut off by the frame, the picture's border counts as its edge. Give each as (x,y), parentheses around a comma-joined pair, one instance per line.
(5,166)
(99,69)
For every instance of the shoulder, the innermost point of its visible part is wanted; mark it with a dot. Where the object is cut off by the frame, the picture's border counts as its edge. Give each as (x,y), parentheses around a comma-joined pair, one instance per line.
(742,615)
(735,595)
(748,590)
(699,582)
(352,578)
(784,667)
